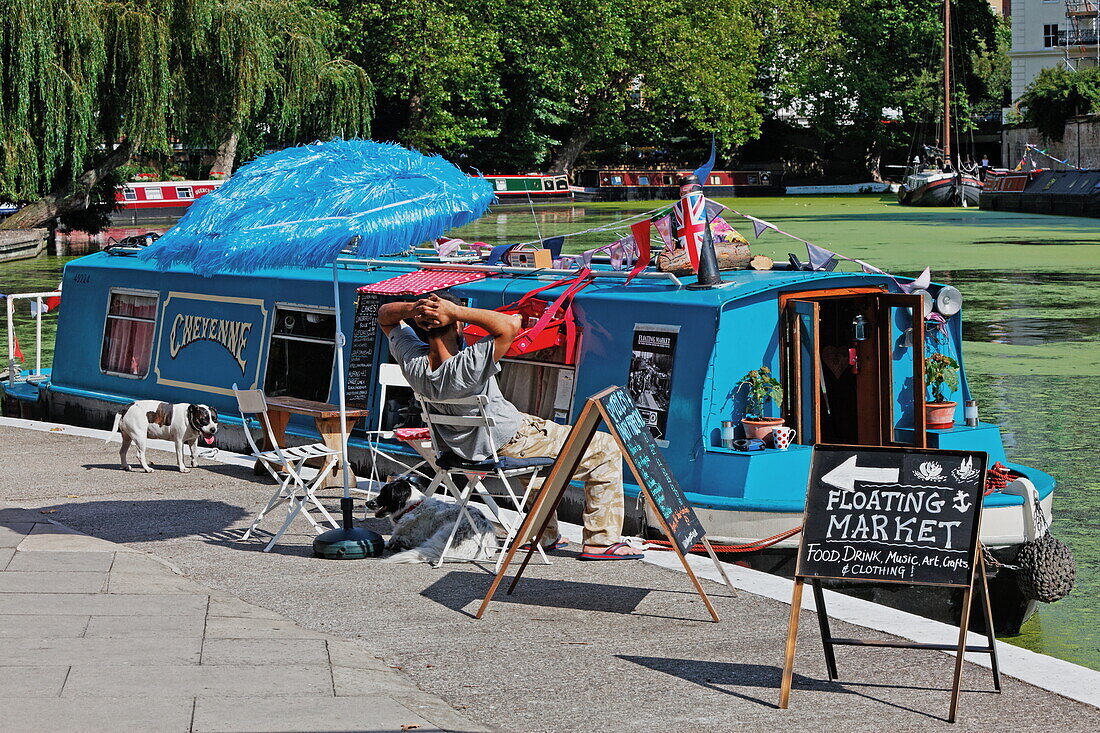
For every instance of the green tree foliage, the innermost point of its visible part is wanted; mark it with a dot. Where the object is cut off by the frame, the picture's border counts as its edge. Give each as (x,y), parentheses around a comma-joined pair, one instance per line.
(508,84)
(888,55)
(83,83)
(436,65)
(1058,93)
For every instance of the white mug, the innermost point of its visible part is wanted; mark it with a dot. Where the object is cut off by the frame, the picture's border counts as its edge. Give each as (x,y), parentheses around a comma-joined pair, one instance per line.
(783,437)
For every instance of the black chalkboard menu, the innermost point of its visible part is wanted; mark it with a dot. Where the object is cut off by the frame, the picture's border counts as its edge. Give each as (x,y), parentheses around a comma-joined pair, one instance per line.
(622,416)
(364,336)
(892,514)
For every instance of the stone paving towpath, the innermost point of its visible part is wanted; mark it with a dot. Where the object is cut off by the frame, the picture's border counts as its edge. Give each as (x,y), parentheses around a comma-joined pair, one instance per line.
(96,636)
(102,636)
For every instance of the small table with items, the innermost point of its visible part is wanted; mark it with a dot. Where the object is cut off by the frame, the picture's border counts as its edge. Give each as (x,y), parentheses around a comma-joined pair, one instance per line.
(327,419)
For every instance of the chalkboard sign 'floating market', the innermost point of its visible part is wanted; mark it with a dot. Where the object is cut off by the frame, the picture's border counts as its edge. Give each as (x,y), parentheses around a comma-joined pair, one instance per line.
(886,514)
(113,346)
(894,515)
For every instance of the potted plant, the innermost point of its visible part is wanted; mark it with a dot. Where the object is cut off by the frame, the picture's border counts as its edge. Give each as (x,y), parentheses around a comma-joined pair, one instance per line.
(762,388)
(940,371)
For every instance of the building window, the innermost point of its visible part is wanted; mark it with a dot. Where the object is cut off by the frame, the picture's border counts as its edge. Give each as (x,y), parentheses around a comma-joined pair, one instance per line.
(299,362)
(128,334)
(184,192)
(1050,35)
(153,193)
(129,194)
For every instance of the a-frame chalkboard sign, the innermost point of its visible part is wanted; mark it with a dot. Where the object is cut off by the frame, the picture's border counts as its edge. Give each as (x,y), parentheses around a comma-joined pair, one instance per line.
(893,515)
(675,516)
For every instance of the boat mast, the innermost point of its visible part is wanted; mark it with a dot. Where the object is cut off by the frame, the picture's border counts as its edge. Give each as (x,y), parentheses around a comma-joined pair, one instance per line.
(947,81)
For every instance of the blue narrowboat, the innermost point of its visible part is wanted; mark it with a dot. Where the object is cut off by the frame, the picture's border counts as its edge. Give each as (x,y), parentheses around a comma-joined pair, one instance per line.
(847,346)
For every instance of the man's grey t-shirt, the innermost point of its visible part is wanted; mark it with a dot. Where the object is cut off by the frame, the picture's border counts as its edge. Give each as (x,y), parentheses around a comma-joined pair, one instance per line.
(470,372)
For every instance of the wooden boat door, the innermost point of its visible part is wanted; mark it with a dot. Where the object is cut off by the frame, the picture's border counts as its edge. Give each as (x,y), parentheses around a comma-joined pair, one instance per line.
(803,370)
(902,345)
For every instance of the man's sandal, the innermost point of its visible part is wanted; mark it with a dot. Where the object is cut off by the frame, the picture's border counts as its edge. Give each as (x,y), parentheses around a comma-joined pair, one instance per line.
(608,553)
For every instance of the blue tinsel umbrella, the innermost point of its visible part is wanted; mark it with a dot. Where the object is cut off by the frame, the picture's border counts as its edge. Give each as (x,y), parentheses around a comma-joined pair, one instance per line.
(302,206)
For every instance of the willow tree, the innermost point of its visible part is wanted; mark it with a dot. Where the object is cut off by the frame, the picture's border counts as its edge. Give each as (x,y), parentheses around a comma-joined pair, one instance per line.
(268,65)
(83,83)
(86,83)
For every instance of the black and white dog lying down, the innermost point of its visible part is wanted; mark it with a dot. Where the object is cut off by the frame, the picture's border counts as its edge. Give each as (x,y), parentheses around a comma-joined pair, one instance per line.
(421,525)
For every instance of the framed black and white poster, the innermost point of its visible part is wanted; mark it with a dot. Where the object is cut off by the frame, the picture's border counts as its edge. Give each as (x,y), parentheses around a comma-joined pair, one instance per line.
(653,352)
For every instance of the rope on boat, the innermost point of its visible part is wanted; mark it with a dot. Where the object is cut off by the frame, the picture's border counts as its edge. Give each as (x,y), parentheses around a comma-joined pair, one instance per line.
(747,547)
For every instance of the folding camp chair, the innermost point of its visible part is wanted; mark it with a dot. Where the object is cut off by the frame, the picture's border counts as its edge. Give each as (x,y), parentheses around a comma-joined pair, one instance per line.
(285,466)
(505,470)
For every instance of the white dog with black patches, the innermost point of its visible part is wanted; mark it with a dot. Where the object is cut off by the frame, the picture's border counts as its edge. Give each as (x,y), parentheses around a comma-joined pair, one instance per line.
(421,525)
(180,423)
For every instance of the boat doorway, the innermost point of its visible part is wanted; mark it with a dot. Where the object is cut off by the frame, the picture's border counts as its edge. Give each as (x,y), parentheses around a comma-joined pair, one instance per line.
(853,367)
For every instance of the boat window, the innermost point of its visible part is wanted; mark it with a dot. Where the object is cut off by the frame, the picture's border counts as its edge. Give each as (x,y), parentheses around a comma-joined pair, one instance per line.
(500,184)
(128,334)
(154,193)
(715,180)
(184,192)
(299,362)
(563,184)
(616,180)
(129,194)
(548,184)
(643,180)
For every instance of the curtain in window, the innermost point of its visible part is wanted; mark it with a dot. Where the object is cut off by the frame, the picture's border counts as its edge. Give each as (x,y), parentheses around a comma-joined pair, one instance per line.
(127,344)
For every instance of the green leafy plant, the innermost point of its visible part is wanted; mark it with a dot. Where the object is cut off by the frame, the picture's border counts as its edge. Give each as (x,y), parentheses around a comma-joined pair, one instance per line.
(940,370)
(762,387)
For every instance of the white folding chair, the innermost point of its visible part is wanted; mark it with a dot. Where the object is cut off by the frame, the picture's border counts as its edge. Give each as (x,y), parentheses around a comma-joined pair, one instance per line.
(505,470)
(389,375)
(285,466)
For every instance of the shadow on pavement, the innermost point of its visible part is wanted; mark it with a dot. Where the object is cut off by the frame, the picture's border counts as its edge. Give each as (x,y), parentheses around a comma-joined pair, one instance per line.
(146,520)
(458,589)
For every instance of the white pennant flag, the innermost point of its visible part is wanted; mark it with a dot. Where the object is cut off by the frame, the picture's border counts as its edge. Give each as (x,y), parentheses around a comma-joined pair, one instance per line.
(869,269)
(587,257)
(819,256)
(759,225)
(921,283)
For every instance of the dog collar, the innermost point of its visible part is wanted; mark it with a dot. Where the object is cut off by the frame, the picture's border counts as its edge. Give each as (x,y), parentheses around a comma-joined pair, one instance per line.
(409,510)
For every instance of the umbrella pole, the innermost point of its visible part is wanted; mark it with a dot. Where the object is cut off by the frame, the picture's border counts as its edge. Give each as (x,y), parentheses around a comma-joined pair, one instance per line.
(349,542)
(345,501)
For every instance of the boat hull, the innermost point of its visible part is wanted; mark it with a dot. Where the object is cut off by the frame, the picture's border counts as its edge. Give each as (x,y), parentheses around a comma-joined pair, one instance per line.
(946,191)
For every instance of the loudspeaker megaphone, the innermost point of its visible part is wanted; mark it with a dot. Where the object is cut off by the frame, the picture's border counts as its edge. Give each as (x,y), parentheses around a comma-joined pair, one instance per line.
(949,301)
(926,297)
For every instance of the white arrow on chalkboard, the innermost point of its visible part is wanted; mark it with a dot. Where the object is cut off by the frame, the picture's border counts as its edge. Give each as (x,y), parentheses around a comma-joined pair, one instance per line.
(846,474)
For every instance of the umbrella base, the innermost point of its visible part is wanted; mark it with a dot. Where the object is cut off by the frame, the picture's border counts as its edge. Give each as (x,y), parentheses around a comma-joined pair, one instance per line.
(355,543)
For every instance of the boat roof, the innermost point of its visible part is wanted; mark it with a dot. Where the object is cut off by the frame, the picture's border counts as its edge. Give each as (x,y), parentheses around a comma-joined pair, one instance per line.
(737,284)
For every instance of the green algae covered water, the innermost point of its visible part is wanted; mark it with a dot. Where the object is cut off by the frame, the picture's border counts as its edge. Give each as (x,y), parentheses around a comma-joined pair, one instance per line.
(1032,334)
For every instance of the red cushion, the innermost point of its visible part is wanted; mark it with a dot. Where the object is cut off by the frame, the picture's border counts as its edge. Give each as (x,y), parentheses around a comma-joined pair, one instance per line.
(411,434)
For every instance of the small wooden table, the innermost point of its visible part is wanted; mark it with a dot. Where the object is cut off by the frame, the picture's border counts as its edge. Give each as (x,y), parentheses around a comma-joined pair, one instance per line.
(327,419)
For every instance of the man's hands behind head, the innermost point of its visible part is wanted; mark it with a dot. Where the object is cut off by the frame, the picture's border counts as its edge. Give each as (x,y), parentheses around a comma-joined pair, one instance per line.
(434,312)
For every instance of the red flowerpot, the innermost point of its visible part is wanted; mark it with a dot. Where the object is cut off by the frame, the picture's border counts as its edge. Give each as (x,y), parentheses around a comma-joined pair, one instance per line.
(761,429)
(939,415)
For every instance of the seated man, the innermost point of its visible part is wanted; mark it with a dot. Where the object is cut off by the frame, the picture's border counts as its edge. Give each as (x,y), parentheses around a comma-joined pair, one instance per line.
(440,369)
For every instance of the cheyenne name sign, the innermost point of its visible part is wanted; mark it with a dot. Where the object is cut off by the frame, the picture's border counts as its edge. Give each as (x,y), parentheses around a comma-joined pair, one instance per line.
(209,342)
(187,329)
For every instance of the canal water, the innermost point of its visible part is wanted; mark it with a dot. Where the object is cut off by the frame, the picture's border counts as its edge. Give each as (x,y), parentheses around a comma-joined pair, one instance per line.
(1032,334)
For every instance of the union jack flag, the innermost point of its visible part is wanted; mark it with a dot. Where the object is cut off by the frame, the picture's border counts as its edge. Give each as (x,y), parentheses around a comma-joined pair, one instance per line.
(690,217)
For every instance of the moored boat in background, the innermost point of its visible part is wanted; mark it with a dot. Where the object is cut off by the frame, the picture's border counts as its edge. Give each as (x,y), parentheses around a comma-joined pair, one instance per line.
(144,201)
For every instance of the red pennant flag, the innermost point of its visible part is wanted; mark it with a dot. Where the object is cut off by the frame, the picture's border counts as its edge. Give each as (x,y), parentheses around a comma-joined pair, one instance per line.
(641,239)
(18,351)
